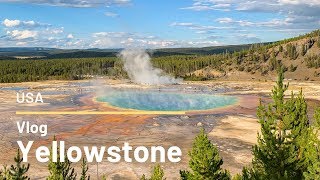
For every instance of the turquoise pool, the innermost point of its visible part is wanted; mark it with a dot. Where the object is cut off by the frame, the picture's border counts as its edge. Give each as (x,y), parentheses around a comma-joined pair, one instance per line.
(165,101)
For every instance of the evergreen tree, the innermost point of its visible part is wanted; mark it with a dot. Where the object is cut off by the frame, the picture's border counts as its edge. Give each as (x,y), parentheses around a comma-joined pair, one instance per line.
(247,174)
(205,161)
(2,176)
(84,170)
(271,154)
(143,177)
(317,118)
(19,171)
(4,173)
(313,170)
(157,174)
(280,48)
(283,149)
(104,177)
(292,51)
(304,49)
(60,170)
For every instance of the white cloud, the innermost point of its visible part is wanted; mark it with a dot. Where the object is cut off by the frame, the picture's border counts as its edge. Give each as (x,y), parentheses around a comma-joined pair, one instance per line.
(55,30)
(111,14)
(248,38)
(214,37)
(31,33)
(74,3)
(187,24)
(130,40)
(70,36)
(21,43)
(253,5)
(157,43)
(45,38)
(19,23)
(29,23)
(201,29)
(224,20)
(296,14)
(202,43)
(21,35)
(289,22)
(205,5)
(203,32)
(119,2)
(11,23)
(270,23)
(197,27)
(124,39)
(111,34)
(299,2)
(284,7)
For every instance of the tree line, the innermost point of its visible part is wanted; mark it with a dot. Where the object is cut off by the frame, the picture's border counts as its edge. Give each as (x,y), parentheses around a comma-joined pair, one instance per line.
(65,69)
(288,148)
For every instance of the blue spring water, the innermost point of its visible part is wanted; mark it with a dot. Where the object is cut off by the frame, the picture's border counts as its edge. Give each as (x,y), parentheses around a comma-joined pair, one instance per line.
(165,101)
(13,88)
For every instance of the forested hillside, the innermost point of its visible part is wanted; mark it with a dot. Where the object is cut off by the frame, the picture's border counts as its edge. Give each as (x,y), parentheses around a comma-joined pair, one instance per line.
(300,56)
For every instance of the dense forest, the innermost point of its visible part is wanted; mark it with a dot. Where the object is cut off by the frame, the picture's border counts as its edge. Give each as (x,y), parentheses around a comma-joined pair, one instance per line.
(70,69)
(258,59)
(81,68)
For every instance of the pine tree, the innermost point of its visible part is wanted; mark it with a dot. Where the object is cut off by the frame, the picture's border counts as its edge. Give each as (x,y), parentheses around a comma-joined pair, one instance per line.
(247,174)
(157,174)
(143,177)
(271,155)
(19,171)
(292,51)
(313,170)
(2,176)
(60,170)
(205,161)
(104,177)
(283,149)
(4,173)
(84,170)
(317,118)
(304,49)
(280,48)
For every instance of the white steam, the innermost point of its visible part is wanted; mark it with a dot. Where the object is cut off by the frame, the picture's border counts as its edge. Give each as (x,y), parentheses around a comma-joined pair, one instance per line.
(139,68)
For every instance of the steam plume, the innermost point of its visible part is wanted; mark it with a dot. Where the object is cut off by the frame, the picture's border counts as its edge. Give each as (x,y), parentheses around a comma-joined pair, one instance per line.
(139,68)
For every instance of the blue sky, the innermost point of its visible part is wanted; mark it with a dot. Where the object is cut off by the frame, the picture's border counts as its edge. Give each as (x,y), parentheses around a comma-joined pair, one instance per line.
(152,23)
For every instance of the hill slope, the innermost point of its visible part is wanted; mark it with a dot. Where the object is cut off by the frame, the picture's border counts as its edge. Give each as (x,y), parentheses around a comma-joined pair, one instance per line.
(300,56)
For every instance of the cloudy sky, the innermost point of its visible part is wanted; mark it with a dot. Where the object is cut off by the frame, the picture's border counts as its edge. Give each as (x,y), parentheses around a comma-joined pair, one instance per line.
(152,23)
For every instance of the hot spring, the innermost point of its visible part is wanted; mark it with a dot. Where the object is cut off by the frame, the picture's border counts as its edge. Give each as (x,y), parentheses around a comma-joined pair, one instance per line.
(140,70)
(165,101)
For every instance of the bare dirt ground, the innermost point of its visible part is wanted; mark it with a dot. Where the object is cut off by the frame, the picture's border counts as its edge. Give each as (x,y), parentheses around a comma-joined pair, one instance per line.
(233,129)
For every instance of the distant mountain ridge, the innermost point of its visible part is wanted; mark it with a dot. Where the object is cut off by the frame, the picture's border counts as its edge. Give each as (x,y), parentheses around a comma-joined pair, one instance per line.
(50,53)
(23,49)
